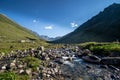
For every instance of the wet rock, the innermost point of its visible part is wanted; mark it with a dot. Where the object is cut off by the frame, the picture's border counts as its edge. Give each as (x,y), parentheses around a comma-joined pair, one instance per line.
(104,66)
(110,61)
(70,59)
(86,52)
(92,59)
(89,67)
(113,77)
(114,68)
(59,61)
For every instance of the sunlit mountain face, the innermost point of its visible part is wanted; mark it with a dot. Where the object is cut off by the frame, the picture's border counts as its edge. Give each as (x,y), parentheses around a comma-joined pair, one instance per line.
(52,17)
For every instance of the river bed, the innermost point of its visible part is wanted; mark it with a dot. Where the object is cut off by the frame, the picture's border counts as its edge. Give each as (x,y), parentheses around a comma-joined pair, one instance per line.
(80,70)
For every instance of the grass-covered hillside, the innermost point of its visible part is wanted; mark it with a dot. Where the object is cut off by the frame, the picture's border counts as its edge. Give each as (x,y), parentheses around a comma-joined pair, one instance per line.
(11,31)
(15,37)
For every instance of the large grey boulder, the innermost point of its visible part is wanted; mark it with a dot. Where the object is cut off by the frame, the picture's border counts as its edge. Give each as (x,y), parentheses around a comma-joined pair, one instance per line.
(92,59)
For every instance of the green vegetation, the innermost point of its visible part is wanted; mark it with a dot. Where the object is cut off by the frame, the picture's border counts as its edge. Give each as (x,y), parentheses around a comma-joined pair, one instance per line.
(12,76)
(102,49)
(7,47)
(12,32)
(32,62)
(12,35)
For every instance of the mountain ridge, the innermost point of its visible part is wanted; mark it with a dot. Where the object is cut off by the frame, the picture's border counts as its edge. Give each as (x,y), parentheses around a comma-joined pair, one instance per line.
(103,27)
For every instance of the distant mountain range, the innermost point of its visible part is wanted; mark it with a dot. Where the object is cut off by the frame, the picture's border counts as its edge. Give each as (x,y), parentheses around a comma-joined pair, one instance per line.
(49,38)
(11,31)
(104,27)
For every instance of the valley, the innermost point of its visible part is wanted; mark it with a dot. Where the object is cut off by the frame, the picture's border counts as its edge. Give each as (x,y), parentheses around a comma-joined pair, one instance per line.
(90,52)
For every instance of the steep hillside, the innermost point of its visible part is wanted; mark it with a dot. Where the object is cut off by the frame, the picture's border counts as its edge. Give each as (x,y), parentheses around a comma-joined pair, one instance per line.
(11,31)
(104,27)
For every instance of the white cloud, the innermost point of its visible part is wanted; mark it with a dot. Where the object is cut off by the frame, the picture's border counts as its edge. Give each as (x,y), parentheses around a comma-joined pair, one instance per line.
(34,21)
(48,27)
(73,24)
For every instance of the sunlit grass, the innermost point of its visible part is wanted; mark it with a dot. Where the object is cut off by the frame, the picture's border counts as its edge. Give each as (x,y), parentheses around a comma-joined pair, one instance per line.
(102,48)
(12,76)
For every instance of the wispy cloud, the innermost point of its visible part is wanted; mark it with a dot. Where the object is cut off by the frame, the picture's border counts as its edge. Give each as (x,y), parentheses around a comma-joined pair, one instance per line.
(73,24)
(34,21)
(49,27)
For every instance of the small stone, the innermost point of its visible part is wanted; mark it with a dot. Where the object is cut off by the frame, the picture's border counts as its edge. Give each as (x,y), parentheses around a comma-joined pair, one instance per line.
(55,70)
(44,74)
(14,61)
(12,65)
(20,66)
(35,73)
(80,78)
(48,75)
(49,72)
(28,71)
(21,71)
(89,67)
(3,67)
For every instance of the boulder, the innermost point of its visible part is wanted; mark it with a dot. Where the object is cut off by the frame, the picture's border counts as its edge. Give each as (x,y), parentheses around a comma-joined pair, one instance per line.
(111,61)
(86,52)
(92,59)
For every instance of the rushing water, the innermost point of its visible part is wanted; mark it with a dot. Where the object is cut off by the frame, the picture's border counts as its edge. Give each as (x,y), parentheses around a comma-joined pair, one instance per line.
(80,70)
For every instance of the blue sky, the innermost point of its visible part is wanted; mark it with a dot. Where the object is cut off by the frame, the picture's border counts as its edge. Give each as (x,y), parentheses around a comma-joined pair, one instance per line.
(52,17)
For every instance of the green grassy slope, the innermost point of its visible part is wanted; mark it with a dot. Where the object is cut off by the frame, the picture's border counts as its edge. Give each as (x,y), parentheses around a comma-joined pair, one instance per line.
(9,30)
(11,33)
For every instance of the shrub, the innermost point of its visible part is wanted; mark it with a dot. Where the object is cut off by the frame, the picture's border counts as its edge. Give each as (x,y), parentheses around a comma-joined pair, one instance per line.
(12,76)
(32,62)
(105,49)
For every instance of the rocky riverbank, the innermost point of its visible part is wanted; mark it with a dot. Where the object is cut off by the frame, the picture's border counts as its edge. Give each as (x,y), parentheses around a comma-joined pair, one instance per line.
(65,63)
